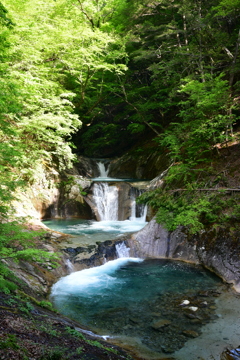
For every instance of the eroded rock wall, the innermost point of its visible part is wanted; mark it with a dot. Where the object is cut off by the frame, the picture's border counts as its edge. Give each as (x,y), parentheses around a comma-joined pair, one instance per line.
(138,166)
(216,249)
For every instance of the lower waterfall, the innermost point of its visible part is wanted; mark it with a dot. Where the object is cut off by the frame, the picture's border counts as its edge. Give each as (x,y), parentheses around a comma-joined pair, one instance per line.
(122,250)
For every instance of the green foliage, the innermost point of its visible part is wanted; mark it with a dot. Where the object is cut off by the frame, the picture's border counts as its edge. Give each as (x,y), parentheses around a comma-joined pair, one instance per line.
(9,343)
(4,19)
(49,330)
(46,304)
(55,353)
(79,350)
(75,333)
(7,286)
(192,208)
(17,243)
(204,120)
(26,307)
(127,69)
(95,343)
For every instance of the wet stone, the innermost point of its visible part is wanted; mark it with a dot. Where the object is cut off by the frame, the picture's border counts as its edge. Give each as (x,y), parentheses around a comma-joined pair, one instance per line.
(157,314)
(190,333)
(134,320)
(168,349)
(196,321)
(203,304)
(191,316)
(156,325)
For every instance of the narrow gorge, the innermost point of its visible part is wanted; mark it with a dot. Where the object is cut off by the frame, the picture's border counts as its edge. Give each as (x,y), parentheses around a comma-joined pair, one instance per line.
(126,283)
(119,180)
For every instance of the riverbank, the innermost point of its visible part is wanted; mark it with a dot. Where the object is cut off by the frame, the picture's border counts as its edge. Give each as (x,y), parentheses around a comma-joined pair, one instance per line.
(216,336)
(30,330)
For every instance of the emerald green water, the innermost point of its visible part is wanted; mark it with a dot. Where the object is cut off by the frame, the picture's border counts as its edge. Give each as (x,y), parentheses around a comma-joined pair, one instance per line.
(88,232)
(128,298)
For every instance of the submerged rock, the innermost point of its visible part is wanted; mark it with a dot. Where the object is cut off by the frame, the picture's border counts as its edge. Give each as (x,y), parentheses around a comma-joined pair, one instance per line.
(160,324)
(190,333)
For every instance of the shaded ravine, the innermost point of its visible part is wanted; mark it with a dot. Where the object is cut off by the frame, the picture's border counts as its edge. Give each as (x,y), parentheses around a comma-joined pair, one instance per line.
(161,244)
(163,325)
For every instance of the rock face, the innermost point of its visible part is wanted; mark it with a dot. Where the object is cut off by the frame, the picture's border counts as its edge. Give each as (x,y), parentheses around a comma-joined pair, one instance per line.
(93,255)
(54,195)
(145,166)
(216,249)
(70,201)
(87,167)
(37,278)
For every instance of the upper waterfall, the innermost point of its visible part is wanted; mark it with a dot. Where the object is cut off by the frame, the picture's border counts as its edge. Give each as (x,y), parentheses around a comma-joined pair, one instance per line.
(103,170)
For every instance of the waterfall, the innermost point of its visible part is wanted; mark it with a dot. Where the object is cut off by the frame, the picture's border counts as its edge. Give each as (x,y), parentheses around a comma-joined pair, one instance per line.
(103,172)
(106,200)
(117,202)
(69,266)
(122,250)
(138,211)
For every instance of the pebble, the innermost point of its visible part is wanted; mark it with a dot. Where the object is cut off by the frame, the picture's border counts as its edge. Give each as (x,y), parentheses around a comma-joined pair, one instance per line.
(193,308)
(185,302)
(204,304)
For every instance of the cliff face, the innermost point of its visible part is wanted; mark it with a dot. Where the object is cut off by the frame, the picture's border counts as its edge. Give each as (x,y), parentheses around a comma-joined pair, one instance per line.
(216,249)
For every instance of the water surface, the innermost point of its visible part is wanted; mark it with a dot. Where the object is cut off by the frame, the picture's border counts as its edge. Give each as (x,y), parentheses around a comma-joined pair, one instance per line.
(139,301)
(88,232)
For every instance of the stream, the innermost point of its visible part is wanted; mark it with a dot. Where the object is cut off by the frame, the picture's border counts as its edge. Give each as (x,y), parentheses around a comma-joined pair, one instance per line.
(149,306)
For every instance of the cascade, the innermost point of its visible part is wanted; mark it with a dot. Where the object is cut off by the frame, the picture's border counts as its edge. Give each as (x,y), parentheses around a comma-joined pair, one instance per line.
(106,200)
(103,171)
(109,296)
(122,250)
(115,203)
(138,211)
(69,266)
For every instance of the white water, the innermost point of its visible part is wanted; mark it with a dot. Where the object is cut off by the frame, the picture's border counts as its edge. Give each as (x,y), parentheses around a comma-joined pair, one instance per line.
(69,266)
(103,174)
(103,171)
(105,197)
(89,281)
(143,212)
(122,251)
(115,226)
(106,200)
